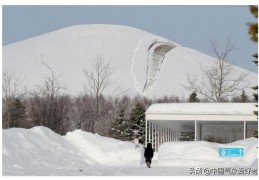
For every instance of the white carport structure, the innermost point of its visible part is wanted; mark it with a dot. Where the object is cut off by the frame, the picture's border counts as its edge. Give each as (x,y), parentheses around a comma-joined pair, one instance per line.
(227,121)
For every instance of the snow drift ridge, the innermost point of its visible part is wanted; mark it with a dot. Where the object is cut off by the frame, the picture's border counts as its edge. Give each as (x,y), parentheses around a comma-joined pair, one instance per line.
(27,150)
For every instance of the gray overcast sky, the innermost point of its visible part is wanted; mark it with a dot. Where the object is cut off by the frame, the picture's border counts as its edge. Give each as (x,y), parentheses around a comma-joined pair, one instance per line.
(190,26)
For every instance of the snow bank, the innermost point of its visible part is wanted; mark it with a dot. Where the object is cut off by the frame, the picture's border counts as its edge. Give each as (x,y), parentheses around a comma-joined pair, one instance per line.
(26,151)
(40,151)
(193,154)
(103,150)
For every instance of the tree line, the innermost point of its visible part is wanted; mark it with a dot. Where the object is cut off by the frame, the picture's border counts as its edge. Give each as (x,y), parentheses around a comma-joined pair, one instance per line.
(48,105)
(114,115)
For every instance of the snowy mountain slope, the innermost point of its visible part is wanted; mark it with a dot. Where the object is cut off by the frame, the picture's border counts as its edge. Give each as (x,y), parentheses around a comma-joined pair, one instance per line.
(40,151)
(145,63)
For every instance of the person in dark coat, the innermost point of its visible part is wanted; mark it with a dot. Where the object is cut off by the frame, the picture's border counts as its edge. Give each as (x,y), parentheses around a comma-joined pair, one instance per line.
(148,154)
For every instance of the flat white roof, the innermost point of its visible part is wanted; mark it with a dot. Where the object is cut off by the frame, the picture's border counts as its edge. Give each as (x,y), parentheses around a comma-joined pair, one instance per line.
(203,108)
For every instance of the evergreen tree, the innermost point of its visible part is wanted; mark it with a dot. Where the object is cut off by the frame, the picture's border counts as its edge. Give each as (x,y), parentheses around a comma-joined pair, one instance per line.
(137,122)
(253,31)
(256,94)
(256,87)
(256,59)
(253,27)
(244,97)
(119,126)
(193,97)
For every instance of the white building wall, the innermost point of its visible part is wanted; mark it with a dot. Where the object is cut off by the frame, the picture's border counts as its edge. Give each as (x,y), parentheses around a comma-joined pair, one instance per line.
(168,120)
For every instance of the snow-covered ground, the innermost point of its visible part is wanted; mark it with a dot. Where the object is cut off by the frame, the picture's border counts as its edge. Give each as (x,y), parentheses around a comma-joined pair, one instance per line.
(40,151)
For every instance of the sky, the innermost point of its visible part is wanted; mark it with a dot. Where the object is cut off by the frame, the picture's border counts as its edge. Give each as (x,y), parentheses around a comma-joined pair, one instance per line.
(189,26)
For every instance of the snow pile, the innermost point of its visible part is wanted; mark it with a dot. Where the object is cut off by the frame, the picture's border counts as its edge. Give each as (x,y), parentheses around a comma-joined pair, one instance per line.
(40,151)
(33,151)
(102,150)
(25,151)
(193,154)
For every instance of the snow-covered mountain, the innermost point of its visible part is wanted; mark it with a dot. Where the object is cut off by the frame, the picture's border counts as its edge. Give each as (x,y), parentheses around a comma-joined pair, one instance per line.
(145,63)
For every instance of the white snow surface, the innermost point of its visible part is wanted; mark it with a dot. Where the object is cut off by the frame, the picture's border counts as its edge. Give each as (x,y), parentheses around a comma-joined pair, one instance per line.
(39,151)
(204,153)
(203,108)
(68,51)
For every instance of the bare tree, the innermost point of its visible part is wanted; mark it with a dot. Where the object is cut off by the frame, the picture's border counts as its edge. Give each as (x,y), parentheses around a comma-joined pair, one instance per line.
(218,81)
(99,80)
(52,86)
(12,85)
(85,113)
(13,92)
(48,106)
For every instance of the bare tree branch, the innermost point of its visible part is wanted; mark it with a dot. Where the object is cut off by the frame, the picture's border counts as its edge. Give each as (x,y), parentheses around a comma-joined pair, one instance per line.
(218,81)
(98,81)
(11,85)
(13,93)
